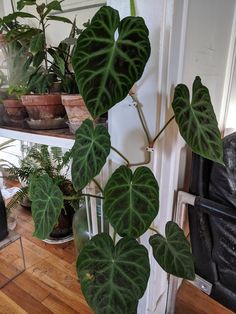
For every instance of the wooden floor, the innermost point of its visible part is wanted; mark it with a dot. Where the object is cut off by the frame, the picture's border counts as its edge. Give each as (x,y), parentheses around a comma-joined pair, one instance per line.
(190,300)
(49,284)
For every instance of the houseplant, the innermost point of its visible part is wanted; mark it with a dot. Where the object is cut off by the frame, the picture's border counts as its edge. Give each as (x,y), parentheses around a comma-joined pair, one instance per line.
(40,160)
(3,213)
(43,102)
(113,275)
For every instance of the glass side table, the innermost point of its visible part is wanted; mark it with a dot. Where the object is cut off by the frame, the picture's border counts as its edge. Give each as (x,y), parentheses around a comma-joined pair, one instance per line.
(12,259)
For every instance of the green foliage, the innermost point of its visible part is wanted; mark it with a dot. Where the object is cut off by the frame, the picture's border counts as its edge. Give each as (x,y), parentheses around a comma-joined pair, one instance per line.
(131,200)
(90,151)
(113,278)
(173,252)
(106,68)
(197,121)
(47,203)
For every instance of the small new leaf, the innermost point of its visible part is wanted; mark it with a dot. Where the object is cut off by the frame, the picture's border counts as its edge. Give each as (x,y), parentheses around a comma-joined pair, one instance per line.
(173,252)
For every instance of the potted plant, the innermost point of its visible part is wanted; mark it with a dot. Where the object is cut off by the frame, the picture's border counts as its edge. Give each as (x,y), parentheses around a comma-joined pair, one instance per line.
(114,274)
(40,160)
(43,100)
(15,40)
(3,213)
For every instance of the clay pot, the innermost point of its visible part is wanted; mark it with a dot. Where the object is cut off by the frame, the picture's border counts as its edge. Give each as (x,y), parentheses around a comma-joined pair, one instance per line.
(75,107)
(15,109)
(45,111)
(2,40)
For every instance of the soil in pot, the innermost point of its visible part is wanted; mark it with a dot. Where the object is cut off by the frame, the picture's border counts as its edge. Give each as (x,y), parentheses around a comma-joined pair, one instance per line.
(64,227)
(16,112)
(45,111)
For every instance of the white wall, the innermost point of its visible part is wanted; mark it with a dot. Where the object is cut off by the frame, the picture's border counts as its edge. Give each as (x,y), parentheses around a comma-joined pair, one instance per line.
(207,46)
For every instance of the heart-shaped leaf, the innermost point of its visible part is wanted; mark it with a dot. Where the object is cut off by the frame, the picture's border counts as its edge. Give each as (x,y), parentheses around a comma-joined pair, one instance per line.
(197,121)
(131,200)
(107,68)
(90,151)
(173,252)
(113,279)
(47,203)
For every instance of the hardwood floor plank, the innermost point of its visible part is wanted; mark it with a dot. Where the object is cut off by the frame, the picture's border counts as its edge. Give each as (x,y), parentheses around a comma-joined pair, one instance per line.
(8,306)
(24,300)
(190,300)
(57,306)
(32,286)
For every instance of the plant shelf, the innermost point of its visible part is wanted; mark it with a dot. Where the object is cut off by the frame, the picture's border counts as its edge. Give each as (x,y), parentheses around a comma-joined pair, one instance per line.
(59,138)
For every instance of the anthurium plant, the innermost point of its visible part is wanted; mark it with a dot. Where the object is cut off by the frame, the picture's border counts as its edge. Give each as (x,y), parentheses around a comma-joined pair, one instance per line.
(114,275)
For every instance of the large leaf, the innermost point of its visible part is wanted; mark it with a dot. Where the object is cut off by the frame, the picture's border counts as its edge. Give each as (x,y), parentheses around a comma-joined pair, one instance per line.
(173,252)
(131,200)
(37,43)
(113,279)
(47,203)
(197,121)
(90,151)
(107,68)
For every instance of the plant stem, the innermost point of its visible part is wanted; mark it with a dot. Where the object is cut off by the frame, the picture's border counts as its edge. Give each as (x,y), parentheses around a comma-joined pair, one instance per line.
(142,163)
(98,185)
(138,106)
(91,195)
(45,45)
(114,236)
(120,154)
(164,127)
(76,197)
(153,229)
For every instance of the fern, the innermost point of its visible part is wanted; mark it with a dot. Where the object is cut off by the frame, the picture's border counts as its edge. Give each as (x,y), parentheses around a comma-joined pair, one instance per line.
(17,198)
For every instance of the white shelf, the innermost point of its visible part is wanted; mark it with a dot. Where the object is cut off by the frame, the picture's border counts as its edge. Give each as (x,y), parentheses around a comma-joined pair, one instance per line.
(50,138)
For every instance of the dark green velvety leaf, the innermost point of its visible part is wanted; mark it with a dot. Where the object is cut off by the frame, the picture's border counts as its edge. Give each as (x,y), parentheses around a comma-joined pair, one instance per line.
(131,200)
(197,121)
(47,203)
(106,68)
(113,279)
(90,151)
(173,252)
(59,18)
(37,43)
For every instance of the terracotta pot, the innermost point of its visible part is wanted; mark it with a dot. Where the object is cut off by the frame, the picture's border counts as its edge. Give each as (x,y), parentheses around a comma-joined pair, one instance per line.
(43,107)
(75,107)
(15,109)
(2,40)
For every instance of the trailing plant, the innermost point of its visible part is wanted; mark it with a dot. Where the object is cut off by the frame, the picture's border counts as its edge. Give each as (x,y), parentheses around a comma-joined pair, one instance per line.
(114,275)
